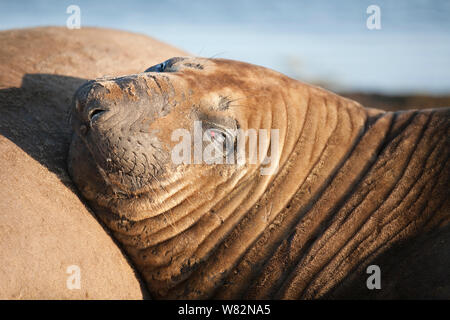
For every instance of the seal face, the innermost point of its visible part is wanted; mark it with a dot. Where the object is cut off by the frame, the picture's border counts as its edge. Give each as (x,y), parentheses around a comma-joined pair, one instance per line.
(344,183)
(128,126)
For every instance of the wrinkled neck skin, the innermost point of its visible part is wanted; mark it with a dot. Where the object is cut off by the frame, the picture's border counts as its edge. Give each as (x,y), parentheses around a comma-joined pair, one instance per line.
(236,233)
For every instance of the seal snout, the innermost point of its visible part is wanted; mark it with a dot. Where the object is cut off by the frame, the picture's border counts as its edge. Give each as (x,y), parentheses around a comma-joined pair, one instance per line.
(89,116)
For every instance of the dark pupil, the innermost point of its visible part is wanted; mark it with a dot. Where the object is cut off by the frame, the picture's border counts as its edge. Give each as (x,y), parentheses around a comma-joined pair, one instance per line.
(219,136)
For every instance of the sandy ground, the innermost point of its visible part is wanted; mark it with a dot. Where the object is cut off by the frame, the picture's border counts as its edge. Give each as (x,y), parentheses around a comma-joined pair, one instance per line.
(44,227)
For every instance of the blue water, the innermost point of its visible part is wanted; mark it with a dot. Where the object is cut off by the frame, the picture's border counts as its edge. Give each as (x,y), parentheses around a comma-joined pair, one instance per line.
(324,42)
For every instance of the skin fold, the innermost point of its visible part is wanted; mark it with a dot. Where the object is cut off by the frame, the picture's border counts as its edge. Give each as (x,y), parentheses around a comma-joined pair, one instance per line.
(352,183)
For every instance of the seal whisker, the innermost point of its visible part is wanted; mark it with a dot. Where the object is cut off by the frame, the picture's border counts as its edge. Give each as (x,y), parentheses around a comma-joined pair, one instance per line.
(217,54)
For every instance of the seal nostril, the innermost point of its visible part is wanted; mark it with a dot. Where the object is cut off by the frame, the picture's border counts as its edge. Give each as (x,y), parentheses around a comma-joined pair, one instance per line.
(95,113)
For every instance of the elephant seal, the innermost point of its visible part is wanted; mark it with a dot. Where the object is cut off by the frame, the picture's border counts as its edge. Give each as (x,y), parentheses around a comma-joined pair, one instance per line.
(350,182)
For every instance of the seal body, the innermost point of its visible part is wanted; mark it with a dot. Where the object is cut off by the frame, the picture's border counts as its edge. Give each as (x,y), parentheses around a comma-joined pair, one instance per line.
(346,184)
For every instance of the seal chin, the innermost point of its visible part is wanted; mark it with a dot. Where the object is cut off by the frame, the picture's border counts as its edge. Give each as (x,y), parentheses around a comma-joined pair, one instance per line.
(126,185)
(100,175)
(127,172)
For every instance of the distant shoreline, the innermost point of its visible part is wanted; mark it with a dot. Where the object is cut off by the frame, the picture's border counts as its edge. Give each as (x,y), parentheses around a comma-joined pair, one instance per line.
(398,102)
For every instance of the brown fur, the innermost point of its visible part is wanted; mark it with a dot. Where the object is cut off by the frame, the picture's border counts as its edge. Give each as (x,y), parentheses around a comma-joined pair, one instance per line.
(352,183)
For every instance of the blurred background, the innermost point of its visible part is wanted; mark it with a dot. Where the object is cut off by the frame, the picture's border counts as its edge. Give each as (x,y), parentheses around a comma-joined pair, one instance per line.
(403,64)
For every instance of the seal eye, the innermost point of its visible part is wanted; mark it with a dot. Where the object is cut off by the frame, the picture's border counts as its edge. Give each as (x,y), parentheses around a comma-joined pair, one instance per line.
(221,140)
(217,136)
